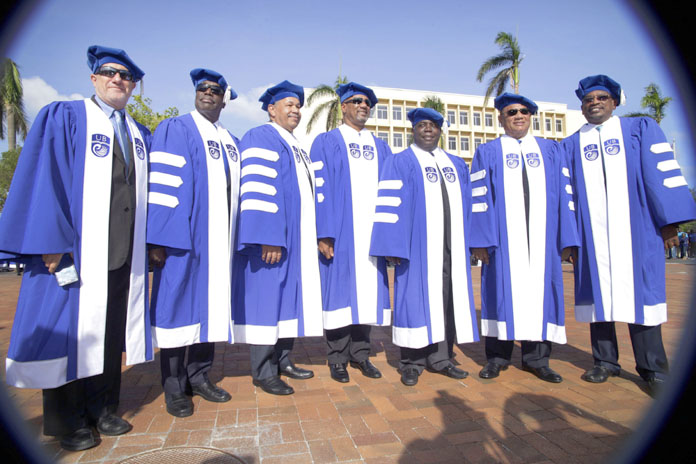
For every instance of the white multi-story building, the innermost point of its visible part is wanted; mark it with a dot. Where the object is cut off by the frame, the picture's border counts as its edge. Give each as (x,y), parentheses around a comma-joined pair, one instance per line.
(470,123)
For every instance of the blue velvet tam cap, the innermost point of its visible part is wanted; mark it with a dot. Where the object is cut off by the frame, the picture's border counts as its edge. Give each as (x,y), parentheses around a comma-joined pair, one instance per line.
(280,91)
(598,82)
(416,115)
(345,91)
(199,75)
(507,99)
(98,55)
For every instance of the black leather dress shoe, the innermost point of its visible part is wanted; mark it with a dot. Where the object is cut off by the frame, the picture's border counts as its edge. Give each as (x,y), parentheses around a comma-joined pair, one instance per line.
(655,384)
(80,439)
(274,386)
(545,373)
(409,376)
(178,404)
(598,374)
(295,372)
(367,368)
(210,392)
(339,372)
(491,370)
(112,425)
(451,371)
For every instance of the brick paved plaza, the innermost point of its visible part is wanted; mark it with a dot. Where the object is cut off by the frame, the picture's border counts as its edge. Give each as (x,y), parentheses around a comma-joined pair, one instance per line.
(515,418)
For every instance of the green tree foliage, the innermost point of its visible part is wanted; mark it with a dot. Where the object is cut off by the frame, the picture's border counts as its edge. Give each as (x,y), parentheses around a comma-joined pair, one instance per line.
(509,60)
(142,112)
(331,104)
(8,163)
(434,102)
(653,102)
(12,115)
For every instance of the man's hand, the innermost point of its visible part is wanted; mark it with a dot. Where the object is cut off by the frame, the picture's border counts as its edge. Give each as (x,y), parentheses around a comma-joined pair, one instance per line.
(271,254)
(481,254)
(393,260)
(52,260)
(157,256)
(326,247)
(670,236)
(570,254)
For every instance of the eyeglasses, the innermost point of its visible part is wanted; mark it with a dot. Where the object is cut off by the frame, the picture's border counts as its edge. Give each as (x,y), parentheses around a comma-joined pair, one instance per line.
(514,111)
(599,98)
(215,89)
(359,101)
(108,71)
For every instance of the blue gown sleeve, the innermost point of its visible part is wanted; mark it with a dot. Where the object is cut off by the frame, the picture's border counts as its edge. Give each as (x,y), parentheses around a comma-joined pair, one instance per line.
(393,223)
(37,218)
(171,187)
(262,218)
(323,154)
(484,227)
(568,235)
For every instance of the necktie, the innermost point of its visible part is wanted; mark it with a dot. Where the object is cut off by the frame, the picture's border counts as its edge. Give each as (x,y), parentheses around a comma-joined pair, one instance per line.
(121,134)
(601,152)
(525,189)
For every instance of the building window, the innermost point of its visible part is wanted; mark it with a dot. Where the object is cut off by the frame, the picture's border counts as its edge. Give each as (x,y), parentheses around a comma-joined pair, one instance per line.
(450,117)
(477,142)
(559,125)
(409,138)
(535,124)
(398,140)
(464,143)
(384,136)
(396,113)
(463,118)
(477,119)
(452,141)
(547,124)
(489,120)
(408,109)
(382,112)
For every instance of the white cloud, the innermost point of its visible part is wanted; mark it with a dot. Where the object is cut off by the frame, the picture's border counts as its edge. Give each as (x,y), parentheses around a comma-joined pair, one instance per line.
(37,94)
(247,107)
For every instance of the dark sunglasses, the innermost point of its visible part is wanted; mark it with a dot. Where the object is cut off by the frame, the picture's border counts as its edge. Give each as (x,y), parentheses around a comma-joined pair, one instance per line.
(216,89)
(359,101)
(600,98)
(514,111)
(108,71)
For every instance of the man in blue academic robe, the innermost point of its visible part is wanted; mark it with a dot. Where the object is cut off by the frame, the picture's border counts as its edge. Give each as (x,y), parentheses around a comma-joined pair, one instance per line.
(629,196)
(192,220)
(278,274)
(522,219)
(76,216)
(355,289)
(421,225)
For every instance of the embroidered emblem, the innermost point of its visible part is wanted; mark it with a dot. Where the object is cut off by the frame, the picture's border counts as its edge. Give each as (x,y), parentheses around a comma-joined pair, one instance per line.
(297,154)
(591,152)
(612,147)
(533,160)
(100,145)
(368,152)
(214,149)
(354,149)
(512,160)
(449,174)
(305,155)
(139,149)
(232,152)
(431,174)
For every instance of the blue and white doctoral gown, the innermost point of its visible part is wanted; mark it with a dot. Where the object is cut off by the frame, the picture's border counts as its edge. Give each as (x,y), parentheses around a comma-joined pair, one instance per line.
(409,224)
(522,285)
(193,214)
(59,202)
(620,274)
(282,300)
(355,288)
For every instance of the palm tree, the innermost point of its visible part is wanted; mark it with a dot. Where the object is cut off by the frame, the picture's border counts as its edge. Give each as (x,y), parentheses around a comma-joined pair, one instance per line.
(509,59)
(654,102)
(332,105)
(434,102)
(12,112)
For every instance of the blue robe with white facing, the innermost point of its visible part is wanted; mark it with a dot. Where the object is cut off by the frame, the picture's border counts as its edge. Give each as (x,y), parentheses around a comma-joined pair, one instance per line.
(522,285)
(281,300)
(355,288)
(59,202)
(620,274)
(193,216)
(409,224)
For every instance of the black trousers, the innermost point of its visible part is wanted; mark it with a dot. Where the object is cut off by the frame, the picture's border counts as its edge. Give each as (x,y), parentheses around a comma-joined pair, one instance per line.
(81,402)
(534,354)
(349,343)
(266,360)
(648,348)
(177,377)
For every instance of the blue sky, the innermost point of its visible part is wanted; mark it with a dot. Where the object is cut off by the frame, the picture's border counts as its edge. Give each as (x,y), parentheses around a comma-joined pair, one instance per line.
(436,46)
